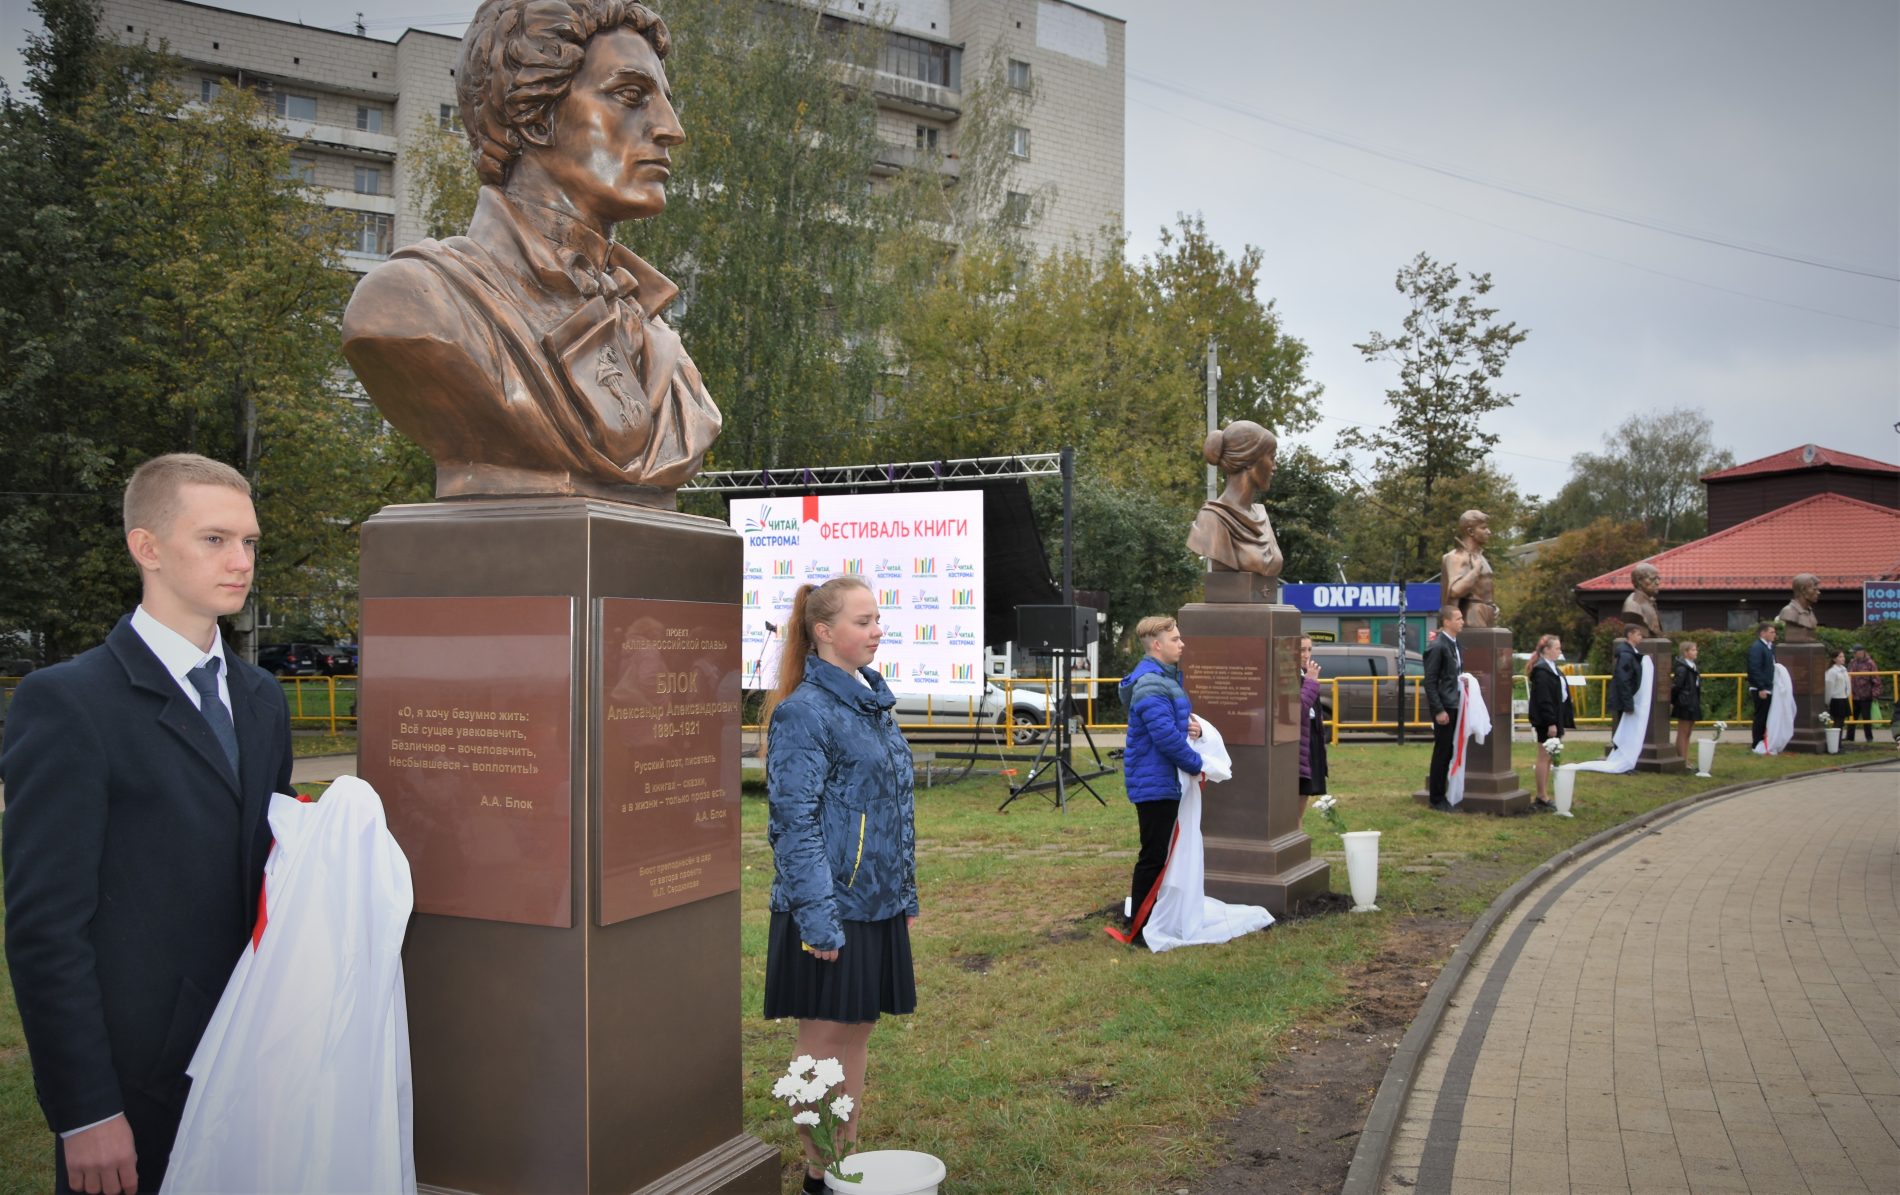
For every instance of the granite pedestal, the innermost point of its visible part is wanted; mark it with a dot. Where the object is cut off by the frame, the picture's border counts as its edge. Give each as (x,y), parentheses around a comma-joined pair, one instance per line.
(552,720)
(1659,736)
(1807,668)
(1491,784)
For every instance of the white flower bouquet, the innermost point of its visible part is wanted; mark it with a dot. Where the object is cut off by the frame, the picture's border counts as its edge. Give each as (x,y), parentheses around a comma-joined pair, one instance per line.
(1327,806)
(1553,747)
(807,1081)
(1715,732)
(1827,719)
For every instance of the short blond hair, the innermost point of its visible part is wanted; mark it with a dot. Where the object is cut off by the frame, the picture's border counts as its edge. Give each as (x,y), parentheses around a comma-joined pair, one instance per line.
(1152,627)
(151,497)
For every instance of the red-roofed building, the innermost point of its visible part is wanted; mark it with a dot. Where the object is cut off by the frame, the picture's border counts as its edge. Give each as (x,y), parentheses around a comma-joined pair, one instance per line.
(1737,576)
(1744,491)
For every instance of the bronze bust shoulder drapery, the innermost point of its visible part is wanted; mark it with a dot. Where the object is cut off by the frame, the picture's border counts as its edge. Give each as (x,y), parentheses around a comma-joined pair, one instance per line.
(529,356)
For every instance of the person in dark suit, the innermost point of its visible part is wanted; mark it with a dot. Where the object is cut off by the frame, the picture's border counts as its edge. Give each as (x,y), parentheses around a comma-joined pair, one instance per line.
(1443,663)
(1761,679)
(137,780)
(1685,694)
(1626,675)
(1550,709)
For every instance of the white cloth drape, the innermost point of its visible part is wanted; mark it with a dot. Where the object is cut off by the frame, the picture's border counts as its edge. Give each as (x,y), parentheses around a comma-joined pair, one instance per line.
(1780,726)
(301,1081)
(1474,722)
(1184,915)
(1627,743)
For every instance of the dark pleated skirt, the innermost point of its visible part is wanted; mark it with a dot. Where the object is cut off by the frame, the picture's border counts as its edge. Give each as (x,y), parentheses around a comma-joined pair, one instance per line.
(871,975)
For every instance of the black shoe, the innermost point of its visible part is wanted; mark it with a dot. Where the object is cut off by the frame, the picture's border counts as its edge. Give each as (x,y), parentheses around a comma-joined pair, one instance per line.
(814,1186)
(1442,806)
(1543,806)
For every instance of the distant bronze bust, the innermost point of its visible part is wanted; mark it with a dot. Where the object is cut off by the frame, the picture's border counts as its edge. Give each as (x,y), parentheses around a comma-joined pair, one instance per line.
(529,357)
(1466,580)
(1640,606)
(1798,616)
(1232,530)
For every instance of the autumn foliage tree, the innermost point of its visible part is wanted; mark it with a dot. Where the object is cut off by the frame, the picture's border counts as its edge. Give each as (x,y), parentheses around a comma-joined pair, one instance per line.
(1539,598)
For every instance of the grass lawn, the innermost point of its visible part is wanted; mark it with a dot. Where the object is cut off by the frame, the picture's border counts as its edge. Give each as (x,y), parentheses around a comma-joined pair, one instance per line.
(1046,1057)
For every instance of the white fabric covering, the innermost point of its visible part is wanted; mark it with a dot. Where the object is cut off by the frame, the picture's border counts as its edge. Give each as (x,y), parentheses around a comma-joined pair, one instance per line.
(1474,722)
(1780,726)
(1184,915)
(301,1081)
(1627,743)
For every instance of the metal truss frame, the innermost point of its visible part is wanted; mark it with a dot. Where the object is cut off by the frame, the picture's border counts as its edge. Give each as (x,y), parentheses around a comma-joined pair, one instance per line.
(905,473)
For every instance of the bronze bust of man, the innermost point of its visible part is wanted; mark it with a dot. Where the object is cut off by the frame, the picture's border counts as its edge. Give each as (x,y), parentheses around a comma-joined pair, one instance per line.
(1466,580)
(1798,617)
(1640,606)
(1232,530)
(529,357)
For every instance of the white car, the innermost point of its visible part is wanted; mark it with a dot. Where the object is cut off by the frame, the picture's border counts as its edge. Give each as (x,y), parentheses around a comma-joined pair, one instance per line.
(1030,705)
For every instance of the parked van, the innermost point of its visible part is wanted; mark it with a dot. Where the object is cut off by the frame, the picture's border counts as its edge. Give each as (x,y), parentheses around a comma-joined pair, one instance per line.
(1364,670)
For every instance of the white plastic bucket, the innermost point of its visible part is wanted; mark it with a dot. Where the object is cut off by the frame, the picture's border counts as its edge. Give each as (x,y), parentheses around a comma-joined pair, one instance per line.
(1564,789)
(1704,757)
(889,1172)
(1362,868)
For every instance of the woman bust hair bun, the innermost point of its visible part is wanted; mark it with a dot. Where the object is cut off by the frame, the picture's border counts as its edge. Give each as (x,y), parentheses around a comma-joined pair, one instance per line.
(1231,529)
(1233,448)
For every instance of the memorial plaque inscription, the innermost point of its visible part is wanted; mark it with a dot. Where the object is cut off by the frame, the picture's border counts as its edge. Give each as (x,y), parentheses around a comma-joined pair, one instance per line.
(1226,679)
(466,723)
(669,754)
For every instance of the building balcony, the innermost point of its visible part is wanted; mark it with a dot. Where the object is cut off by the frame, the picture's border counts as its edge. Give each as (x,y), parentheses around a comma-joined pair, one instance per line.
(892,159)
(905,94)
(333,136)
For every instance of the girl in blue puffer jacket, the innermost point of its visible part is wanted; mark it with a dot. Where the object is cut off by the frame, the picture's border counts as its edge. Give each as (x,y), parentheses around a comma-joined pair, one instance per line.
(839,779)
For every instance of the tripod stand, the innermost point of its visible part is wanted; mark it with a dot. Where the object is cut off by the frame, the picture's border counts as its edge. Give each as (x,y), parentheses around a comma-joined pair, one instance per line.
(1062,765)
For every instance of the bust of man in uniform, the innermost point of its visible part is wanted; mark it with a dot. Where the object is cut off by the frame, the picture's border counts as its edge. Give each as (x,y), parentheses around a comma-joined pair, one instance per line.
(529,356)
(1466,581)
(1798,615)
(1640,606)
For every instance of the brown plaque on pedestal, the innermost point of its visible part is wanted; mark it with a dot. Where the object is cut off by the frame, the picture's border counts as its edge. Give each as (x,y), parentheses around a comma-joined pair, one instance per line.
(465,729)
(1226,677)
(1491,784)
(1659,737)
(669,791)
(1241,670)
(1807,668)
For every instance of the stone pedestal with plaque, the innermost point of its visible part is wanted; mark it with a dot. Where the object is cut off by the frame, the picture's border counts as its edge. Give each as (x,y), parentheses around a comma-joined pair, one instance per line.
(1241,671)
(1491,784)
(1659,736)
(1807,668)
(549,708)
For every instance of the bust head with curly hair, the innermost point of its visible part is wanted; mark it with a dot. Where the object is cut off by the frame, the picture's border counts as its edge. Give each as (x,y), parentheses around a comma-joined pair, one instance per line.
(567,107)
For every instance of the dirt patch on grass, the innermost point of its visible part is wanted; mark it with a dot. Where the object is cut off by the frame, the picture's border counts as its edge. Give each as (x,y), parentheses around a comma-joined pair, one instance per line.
(1300,1135)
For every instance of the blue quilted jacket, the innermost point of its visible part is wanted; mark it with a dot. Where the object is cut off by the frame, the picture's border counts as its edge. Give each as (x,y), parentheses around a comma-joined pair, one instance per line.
(838,776)
(1157,708)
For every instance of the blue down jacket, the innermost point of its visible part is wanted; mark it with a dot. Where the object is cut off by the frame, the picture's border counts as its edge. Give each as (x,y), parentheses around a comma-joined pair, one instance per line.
(839,780)
(1157,708)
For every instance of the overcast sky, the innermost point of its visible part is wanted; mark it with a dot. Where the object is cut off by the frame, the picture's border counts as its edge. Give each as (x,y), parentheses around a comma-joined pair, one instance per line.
(1687,202)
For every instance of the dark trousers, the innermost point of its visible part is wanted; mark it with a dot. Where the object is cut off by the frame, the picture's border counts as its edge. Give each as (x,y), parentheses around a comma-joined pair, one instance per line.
(1860,709)
(1837,709)
(1758,730)
(1442,747)
(1157,834)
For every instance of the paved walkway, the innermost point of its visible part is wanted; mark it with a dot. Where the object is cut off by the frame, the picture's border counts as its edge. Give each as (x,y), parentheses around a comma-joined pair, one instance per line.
(1710,1005)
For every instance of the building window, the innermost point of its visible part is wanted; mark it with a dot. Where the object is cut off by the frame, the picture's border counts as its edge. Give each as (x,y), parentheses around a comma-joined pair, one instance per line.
(208,90)
(449,118)
(294,107)
(371,232)
(302,170)
(1018,75)
(926,138)
(1018,141)
(926,61)
(369,120)
(1016,208)
(369,180)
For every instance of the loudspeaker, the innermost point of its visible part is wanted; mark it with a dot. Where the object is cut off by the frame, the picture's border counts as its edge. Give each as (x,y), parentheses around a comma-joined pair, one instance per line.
(1046,629)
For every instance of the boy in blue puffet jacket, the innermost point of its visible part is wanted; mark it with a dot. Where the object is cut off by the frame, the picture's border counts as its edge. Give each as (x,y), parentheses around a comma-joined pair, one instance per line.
(842,805)
(1160,728)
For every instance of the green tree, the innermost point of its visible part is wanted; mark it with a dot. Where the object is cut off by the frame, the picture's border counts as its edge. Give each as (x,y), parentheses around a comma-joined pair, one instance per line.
(1382,543)
(184,297)
(1650,470)
(1450,354)
(1540,597)
(1304,506)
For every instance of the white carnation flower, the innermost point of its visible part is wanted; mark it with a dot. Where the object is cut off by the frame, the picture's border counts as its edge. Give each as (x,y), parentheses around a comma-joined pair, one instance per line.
(829,1072)
(787,1088)
(802,1065)
(807,1118)
(812,1092)
(841,1107)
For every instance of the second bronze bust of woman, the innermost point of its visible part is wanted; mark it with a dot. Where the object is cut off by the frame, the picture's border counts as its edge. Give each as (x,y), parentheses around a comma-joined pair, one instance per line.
(1232,529)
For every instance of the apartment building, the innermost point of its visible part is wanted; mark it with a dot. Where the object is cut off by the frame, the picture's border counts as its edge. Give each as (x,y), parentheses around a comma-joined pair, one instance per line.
(353,102)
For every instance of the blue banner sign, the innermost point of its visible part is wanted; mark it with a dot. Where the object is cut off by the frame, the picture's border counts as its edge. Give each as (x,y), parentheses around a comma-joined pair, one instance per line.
(1880,601)
(1378,597)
